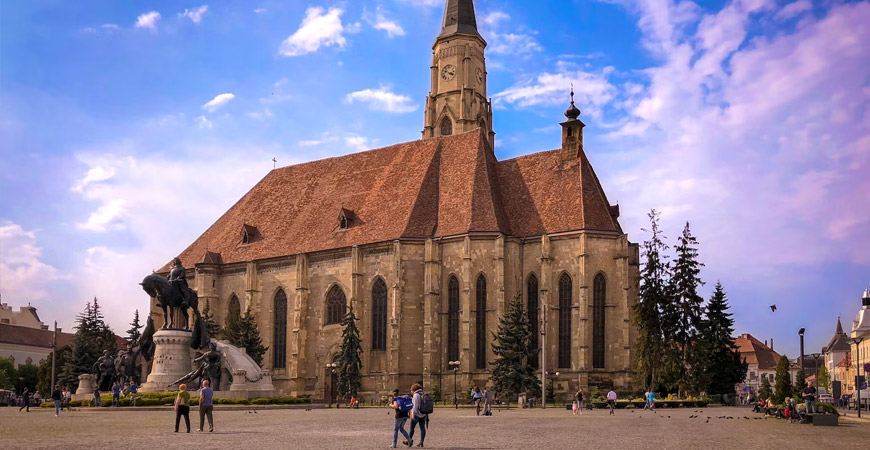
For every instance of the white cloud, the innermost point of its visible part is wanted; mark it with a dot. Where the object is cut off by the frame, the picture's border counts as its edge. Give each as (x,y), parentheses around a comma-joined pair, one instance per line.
(217,102)
(501,42)
(96,174)
(22,271)
(794,9)
(382,99)
(592,89)
(260,10)
(195,14)
(495,17)
(107,217)
(109,26)
(379,21)
(203,123)
(148,20)
(266,113)
(319,28)
(358,143)
(426,3)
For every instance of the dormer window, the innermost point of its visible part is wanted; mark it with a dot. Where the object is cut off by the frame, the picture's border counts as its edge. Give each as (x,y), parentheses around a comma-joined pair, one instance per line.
(346,219)
(342,223)
(250,234)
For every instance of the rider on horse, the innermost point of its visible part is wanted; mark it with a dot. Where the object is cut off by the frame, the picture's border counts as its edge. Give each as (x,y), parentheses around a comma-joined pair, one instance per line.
(178,278)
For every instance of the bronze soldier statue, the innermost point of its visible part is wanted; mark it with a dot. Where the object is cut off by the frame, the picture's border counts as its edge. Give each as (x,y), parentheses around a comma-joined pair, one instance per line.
(209,369)
(178,278)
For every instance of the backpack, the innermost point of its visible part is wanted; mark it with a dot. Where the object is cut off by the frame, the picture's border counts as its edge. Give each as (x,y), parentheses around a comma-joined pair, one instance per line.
(427,406)
(404,403)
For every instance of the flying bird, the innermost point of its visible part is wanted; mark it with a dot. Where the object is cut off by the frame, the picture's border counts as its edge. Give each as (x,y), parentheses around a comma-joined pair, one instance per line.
(773,308)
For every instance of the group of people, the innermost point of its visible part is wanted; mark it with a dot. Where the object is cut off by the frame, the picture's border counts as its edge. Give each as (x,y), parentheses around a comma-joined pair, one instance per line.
(485,397)
(60,397)
(206,407)
(129,389)
(417,406)
(788,410)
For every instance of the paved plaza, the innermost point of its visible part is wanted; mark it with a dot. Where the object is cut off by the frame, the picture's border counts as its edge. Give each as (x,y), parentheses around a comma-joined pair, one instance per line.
(372,428)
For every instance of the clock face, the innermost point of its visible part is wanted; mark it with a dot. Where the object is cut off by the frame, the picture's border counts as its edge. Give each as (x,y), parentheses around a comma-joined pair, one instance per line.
(448,72)
(479,76)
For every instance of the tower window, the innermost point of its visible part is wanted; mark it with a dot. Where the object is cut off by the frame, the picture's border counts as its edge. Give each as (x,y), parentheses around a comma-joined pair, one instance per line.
(446,127)
(279,325)
(453,319)
(336,305)
(379,315)
(570,132)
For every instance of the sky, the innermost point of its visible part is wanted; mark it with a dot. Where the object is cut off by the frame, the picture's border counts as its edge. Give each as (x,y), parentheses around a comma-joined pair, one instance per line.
(128,128)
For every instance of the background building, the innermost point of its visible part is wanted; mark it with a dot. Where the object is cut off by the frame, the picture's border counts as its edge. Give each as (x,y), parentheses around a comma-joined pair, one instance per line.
(24,339)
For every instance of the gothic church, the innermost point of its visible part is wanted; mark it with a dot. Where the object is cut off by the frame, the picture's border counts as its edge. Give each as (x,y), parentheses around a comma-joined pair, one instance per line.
(428,241)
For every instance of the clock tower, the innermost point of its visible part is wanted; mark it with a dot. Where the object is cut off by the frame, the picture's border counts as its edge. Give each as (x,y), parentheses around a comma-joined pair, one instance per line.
(457,100)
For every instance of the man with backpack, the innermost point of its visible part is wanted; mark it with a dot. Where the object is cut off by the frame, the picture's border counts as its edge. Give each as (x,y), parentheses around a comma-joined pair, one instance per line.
(422,407)
(402,405)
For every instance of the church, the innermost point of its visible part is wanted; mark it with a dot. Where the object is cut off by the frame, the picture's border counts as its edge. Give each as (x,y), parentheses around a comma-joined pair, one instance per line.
(428,241)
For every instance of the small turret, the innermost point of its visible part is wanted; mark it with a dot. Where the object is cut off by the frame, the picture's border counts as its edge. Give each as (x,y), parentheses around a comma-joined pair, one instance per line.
(572,132)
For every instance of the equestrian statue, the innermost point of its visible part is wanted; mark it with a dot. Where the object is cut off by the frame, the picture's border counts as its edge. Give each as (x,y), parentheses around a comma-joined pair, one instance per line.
(174,294)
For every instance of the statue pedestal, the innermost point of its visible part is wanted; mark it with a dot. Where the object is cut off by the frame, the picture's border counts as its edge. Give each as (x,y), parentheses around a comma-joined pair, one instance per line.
(172,360)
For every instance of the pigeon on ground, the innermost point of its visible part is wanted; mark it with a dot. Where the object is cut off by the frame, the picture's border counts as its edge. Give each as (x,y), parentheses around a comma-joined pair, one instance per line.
(708,420)
(747,418)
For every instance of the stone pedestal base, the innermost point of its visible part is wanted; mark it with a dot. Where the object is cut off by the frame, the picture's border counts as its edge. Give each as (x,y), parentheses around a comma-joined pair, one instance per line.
(86,385)
(172,360)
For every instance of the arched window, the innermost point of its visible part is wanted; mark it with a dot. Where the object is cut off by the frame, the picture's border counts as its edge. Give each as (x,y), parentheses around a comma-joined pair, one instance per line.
(446,127)
(565,321)
(379,315)
(336,305)
(480,349)
(452,319)
(599,294)
(279,342)
(534,326)
(234,313)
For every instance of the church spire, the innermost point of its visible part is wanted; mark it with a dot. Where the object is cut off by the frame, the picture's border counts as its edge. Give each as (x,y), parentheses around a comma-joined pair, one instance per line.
(459,19)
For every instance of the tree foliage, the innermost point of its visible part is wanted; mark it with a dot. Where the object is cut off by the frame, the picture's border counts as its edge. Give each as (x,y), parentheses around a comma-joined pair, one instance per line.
(43,371)
(685,314)
(7,373)
(347,360)
(26,378)
(232,325)
(93,337)
(249,337)
(764,390)
(214,329)
(511,372)
(824,378)
(133,333)
(783,381)
(722,367)
(800,381)
(655,275)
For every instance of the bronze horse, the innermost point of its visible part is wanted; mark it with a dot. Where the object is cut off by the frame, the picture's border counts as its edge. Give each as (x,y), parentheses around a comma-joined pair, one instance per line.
(169,297)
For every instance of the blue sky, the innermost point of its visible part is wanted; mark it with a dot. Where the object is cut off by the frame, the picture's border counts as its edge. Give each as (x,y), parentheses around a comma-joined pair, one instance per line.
(127,128)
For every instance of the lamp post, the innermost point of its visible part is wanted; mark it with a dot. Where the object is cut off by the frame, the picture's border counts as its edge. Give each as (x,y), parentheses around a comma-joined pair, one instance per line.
(330,370)
(454,365)
(801,333)
(857,341)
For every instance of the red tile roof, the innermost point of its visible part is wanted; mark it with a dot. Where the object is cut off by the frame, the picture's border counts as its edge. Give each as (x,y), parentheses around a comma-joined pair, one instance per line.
(755,352)
(13,334)
(428,188)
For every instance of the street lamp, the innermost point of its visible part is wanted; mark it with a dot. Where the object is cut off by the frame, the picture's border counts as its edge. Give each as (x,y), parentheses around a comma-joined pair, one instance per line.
(330,369)
(857,341)
(801,333)
(454,365)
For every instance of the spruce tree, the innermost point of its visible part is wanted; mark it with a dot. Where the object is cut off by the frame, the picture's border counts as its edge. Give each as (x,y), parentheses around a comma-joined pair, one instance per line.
(133,333)
(722,366)
(764,390)
(800,381)
(214,330)
(104,336)
(687,313)
(648,311)
(783,381)
(249,337)
(86,347)
(347,360)
(824,378)
(232,329)
(512,345)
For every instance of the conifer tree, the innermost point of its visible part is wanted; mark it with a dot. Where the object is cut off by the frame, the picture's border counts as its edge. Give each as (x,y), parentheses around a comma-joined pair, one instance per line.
(800,382)
(824,378)
(43,370)
(722,365)
(232,329)
(687,312)
(648,311)
(249,337)
(783,381)
(86,348)
(133,333)
(214,330)
(347,360)
(764,390)
(104,336)
(511,372)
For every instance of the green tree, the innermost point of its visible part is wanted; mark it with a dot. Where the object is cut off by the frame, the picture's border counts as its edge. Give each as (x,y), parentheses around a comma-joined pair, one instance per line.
(7,373)
(512,345)
(783,381)
(249,337)
(647,316)
(347,360)
(214,330)
(800,381)
(764,390)
(686,313)
(85,349)
(104,335)
(27,377)
(824,378)
(43,371)
(232,324)
(723,367)
(133,333)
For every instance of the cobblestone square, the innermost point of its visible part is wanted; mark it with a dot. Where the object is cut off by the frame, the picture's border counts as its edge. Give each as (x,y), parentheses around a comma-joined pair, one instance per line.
(372,428)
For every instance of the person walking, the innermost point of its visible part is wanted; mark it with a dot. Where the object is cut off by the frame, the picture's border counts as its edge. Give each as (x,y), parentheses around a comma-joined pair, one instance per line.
(578,397)
(611,400)
(134,390)
(98,398)
(487,402)
(116,395)
(25,398)
(417,415)
(401,405)
(57,398)
(206,406)
(477,397)
(182,407)
(651,400)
